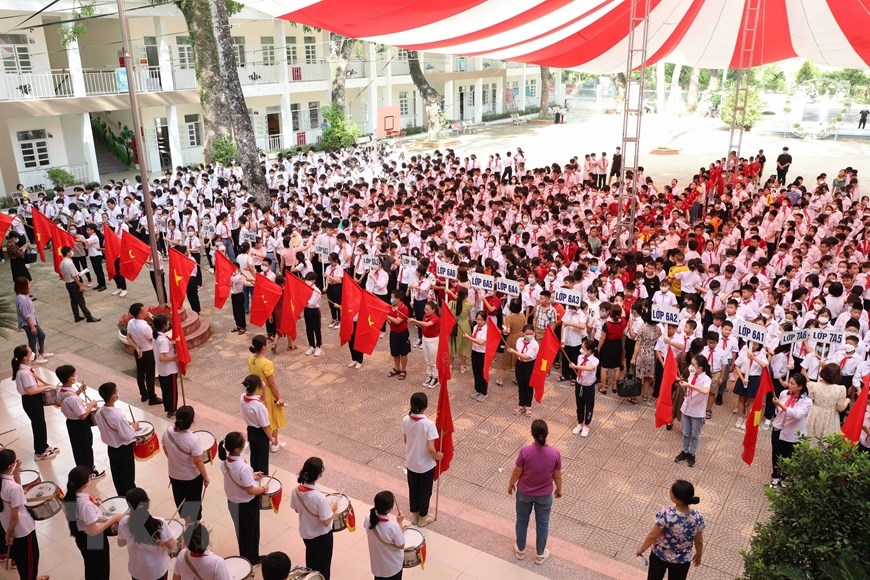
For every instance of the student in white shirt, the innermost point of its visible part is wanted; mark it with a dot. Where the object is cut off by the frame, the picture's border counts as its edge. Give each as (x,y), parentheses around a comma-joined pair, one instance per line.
(166,364)
(793,406)
(119,436)
(584,388)
(95,253)
(78,417)
(312,317)
(16,521)
(188,476)
(694,408)
(750,362)
(386,538)
(148,538)
(141,337)
(525,351)
(30,387)
(419,435)
(242,490)
(196,561)
(316,516)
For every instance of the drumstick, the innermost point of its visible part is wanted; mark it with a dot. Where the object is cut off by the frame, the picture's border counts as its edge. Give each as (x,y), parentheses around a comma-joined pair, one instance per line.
(10,443)
(177,509)
(131,412)
(5,432)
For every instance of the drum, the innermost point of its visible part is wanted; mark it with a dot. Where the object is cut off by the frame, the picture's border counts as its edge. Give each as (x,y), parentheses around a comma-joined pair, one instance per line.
(49,398)
(147,444)
(239,568)
(43,500)
(209,445)
(177,530)
(339,520)
(29,478)
(47,376)
(415,548)
(272,498)
(300,573)
(112,506)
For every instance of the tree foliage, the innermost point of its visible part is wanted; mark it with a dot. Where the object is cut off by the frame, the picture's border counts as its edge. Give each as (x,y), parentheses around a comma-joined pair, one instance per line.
(754,107)
(71,32)
(806,72)
(819,529)
(339,131)
(224,150)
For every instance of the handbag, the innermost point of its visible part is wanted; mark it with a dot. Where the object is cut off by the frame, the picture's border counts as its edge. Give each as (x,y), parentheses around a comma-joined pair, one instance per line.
(630,386)
(30,256)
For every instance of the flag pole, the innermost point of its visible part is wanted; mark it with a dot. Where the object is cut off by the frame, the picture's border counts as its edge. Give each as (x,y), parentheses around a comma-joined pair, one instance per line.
(438,483)
(181,382)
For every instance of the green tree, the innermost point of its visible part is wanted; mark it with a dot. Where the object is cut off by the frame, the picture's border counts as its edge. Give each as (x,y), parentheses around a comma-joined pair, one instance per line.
(753,110)
(806,72)
(818,528)
(773,78)
(339,131)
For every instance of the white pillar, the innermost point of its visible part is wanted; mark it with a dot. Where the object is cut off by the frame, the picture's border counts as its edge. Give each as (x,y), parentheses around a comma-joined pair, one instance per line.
(174,136)
(284,81)
(90,153)
(167,81)
(560,88)
(388,78)
(522,100)
(76,74)
(451,103)
(418,109)
(478,92)
(371,96)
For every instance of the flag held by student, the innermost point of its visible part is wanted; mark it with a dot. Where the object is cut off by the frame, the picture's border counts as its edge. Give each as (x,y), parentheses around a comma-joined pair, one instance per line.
(181,350)
(442,360)
(264,299)
(296,295)
(547,354)
(42,231)
(444,425)
(112,249)
(665,402)
(5,222)
(223,271)
(351,297)
(59,239)
(493,337)
(756,416)
(180,270)
(372,315)
(134,254)
(854,423)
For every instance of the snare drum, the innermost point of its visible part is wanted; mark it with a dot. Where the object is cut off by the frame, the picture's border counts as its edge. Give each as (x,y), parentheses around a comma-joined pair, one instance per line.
(113,506)
(43,500)
(300,573)
(49,398)
(147,444)
(176,528)
(415,548)
(239,568)
(209,445)
(271,500)
(343,507)
(29,478)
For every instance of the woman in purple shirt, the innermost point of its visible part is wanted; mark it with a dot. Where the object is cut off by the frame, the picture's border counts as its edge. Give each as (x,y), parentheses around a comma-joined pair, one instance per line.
(538,471)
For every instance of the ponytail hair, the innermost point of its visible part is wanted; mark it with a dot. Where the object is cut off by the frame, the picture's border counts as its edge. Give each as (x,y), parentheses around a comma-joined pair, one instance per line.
(252,383)
(234,440)
(196,538)
(384,502)
(258,343)
(159,324)
(184,417)
(18,358)
(419,403)
(7,460)
(145,528)
(78,478)
(684,491)
(312,469)
(540,430)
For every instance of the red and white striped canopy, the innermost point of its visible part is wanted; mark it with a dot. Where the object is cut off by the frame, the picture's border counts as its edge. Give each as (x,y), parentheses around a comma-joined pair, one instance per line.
(592,35)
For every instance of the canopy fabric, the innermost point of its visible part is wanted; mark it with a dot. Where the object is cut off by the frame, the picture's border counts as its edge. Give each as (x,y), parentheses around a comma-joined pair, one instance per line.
(592,35)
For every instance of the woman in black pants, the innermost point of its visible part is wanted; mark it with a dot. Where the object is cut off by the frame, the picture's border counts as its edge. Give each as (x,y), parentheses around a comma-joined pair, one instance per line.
(315,517)
(79,422)
(256,417)
(241,484)
(31,388)
(88,523)
(478,356)
(187,473)
(21,542)
(526,351)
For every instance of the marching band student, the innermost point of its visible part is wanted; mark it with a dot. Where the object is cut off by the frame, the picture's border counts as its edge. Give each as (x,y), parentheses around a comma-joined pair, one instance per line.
(196,561)
(419,434)
(584,389)
(28,385)
(386,538)
(311,315)
(17,522)
(260,433)
(187,474)
(315,517)
(525,352)
(78,418)
(119,436)
(166,364)
(276,566)
(148,538)
(88,523)
(242,495)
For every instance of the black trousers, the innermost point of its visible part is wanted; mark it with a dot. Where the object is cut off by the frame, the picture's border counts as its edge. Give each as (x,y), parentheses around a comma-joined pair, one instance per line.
(197,257)
(313,326)
(95,552)
(420,491)
(566,371)
(246,521)
(780,450)
(781,175)
(120,281)
(81,263)
(584,399)
(333,293)
(477,359)
(77,301)
(82,440)
(355,355)
(162,283)
(523,373)
(259,445)
(193,293)
(145,369)
(25,553)
(658,568)
(188,491)
(419,313)
(36,413)
(97,267)
(169,392)
(238,301)
(318,553)
(123,467)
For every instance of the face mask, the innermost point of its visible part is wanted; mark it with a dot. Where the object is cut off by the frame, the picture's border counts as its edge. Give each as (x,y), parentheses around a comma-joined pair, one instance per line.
(817,307)
(531,281)
(850,348)
(72,231)
(551,277)
(814,270)
(491,244)
(693,369)
(593,268)
(646,252)
(527,339)
(823,319)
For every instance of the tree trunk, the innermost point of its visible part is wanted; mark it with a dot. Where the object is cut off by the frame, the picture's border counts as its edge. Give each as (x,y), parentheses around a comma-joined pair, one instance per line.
(692,91)
(209,77)
(546,80)
(243,129)
(674,96)
(661,94)
(340,51)
(431,97)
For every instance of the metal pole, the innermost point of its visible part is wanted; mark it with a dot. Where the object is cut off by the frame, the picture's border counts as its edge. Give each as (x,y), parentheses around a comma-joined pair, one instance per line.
(140,149)
(438,483)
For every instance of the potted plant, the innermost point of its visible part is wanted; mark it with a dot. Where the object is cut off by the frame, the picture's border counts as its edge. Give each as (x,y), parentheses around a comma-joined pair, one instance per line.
(152,312)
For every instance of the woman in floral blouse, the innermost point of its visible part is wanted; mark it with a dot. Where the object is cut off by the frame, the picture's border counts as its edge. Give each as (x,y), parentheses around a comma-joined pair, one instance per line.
(675,531)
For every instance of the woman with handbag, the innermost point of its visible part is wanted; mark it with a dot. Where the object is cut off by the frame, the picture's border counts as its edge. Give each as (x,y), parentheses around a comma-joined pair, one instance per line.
(79,420)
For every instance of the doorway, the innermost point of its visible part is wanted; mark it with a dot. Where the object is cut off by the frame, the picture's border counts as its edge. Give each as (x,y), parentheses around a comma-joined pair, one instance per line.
(461,102)
(273,130)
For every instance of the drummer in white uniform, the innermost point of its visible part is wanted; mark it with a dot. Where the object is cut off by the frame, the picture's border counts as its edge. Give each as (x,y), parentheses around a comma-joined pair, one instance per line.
(31,388)
(78,422)
(148,538)
(240,485)
(187,473)
(16,520)
(118,435)
(386,538)
(315,517)
(196,561)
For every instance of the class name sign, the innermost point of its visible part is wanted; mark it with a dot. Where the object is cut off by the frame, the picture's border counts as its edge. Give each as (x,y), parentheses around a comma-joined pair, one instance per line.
(507,286)
(665,315)
(567,297)
(449,271)
(483,282)
(750,332)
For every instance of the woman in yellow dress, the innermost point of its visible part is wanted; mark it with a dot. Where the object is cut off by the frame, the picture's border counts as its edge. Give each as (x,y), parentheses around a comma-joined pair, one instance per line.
(259,365)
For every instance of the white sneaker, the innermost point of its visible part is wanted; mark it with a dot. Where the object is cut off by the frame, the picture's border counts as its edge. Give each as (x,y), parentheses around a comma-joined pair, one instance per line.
(40,361)
(481,398)
(541,558)
(765,425)
(358,366)
(211,270)
(475,395)
(318,352)
(351,364)
(123,293)
(310,351)
(116,292)
(576,430)
(584,432)
(332,324)
(274,448)
(47,354)
(91,284)
(740,423)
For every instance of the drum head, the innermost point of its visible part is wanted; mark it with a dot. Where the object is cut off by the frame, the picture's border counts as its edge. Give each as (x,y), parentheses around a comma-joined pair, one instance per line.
(273,486)
(342,502)
(238,567)
(115,505)
(176,528)
(206,439)
(300,573)
(413,538)
(145,428)
(46,375)
(40,492)
(28,476)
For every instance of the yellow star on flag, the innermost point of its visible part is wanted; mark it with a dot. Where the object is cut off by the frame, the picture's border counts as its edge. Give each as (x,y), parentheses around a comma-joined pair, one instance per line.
(178,278)
(756,418)
(544,365)
(131,255)
(371,322)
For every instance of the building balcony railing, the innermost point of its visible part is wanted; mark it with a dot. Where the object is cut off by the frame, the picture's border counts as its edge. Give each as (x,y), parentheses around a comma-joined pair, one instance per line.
(38,177)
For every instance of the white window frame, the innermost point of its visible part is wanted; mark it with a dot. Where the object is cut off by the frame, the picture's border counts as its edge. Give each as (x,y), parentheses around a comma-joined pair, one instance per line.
(239,49)
(33,146)
(402,55)
(267,48)
(193,123)
(404,104)
(185,53)
(310,49)
(531,88)
(292,53)
(15,54)
(314,109)
(296,116)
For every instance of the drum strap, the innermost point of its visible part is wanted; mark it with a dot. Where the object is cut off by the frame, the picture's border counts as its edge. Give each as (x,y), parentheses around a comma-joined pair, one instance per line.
(190,565)
(303,504)
(177,446)
(383,541)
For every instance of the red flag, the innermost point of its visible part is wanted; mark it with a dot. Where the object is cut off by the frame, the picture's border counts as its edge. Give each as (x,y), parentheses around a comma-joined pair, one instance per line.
(372,315)
(180,271)
(181,350)
(665,402)
(493,337)
(296,295)
(444,418)
(134,254)
(112,246)
(854,423)
(5,221)
(42,229)
(59,239)
(223,271)
(756,416)
(442,361)
(264,300)
(351,297)
(544,362)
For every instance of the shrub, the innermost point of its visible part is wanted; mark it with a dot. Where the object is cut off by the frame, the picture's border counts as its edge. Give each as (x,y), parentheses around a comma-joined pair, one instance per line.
(754,108)
(152,312)
(339,131)
(60,177)
(819,519)
(224,150)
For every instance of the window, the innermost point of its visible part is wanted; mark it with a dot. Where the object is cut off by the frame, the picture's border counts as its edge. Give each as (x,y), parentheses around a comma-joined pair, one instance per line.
(485,96)
(194,130)
(34,148)
(402,55)
(403,104)
(310,50)
(292,57)
(267,44)
(294,115)
(471,95)
(185,52)
(314,114)
(15,54)
(532,88)
(239,49)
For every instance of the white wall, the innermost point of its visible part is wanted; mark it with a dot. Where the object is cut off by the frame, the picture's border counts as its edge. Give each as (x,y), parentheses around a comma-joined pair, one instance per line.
(56,150)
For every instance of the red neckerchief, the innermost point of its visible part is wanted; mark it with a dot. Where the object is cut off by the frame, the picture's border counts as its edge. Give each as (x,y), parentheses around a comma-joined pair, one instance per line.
(413,418)
(195,555)
(248,399)
(380,519)
(792,400)
(303,488)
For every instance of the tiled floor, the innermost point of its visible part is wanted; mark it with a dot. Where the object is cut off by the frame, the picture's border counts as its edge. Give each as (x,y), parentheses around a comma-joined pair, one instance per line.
(615,480)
